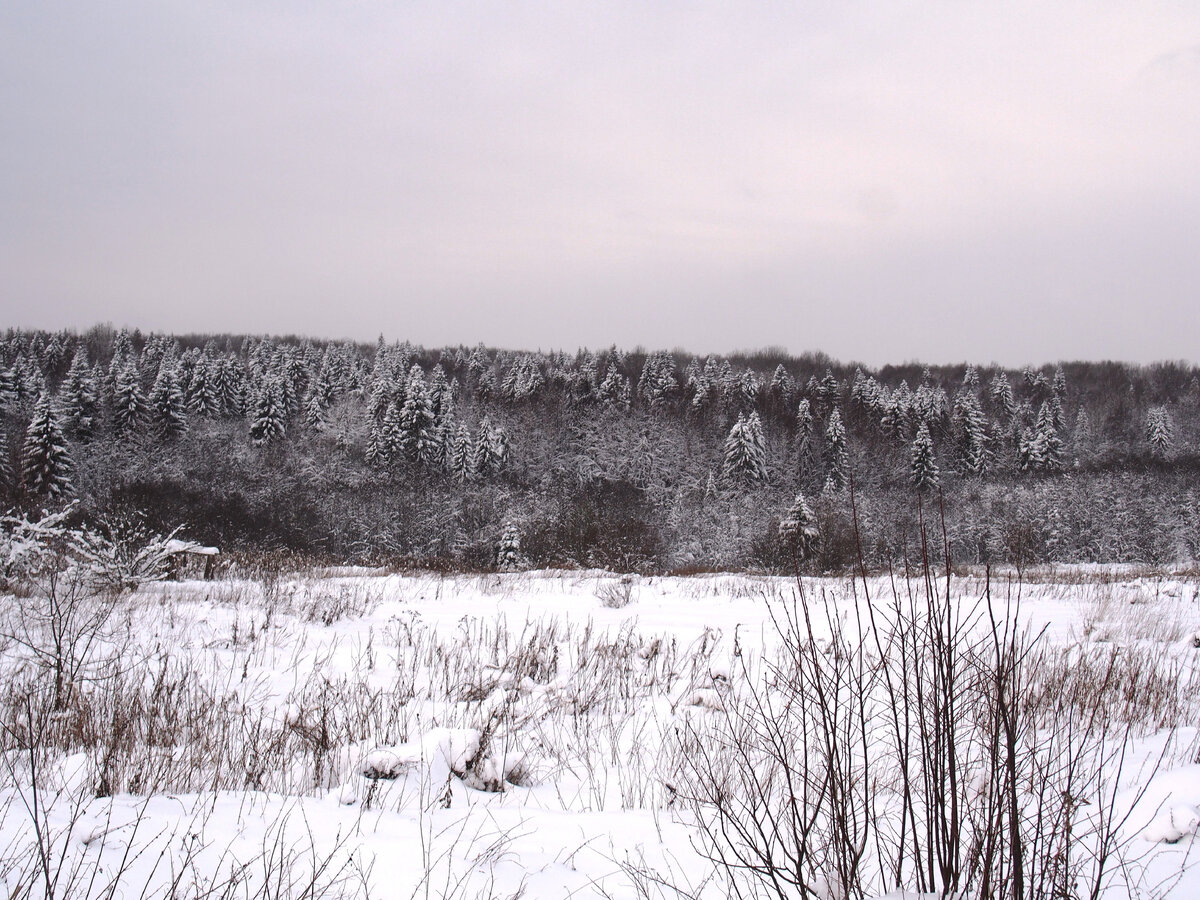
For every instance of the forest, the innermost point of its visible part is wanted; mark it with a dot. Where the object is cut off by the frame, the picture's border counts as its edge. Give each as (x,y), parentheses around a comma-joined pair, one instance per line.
(476,459)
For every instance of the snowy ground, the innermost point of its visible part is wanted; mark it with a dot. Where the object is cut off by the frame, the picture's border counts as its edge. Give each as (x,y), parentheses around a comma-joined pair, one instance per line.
(488,736)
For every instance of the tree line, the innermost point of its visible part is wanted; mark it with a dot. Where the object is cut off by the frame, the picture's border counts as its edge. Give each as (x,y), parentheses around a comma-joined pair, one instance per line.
(467,457)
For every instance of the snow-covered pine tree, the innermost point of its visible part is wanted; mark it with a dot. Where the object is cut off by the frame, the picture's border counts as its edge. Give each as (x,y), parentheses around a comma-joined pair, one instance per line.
(129,404)
(701,391)
(1059,385)
(10,393)
(971,379)
(439,391)
(460,457)
(1002,396)
(1048,439)
(46,465)
(1082,437)
(491,450)
(417,420)
(167,403)
(837,455)
(391,434)
(508,553)
(805,439)
(268,421)
(798,530)
(77,398)
(969,426)
(614,390)
(314,410)
(658,384)
(923,470)
(744,458)
(376,452)
(204,392)
(6,471)
(1160,432)
(783,388)
(749,387)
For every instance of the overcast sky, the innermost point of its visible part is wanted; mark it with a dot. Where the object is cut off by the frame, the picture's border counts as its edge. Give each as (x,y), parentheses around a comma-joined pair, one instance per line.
(882,181)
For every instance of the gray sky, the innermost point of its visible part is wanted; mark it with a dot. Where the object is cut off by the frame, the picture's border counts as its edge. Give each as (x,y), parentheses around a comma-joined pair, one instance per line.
(883,181)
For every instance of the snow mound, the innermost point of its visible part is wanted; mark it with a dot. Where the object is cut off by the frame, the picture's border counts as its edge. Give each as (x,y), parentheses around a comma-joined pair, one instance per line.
(1173,824)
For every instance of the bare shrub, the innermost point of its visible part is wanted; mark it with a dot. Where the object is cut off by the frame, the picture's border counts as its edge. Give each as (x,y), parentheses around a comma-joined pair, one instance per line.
(616,594)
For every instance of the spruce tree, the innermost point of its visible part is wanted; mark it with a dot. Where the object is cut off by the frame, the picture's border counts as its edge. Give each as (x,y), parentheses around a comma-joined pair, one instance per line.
(45,462)
(1048,439)
(376,453)
(268,421)
(314,411)
(508,553)
(204,392)
(1002,396)
(1160,432)
(6,471)
(417,420)
(460,457)
(798,530)
(491,450)
(970,434)
(129,408)
(167,402)
(744,458)
(78,396)
(614,389)
(658,384)
(806,445)
(391,435)
(836,453)
(1082,438)
(923,469)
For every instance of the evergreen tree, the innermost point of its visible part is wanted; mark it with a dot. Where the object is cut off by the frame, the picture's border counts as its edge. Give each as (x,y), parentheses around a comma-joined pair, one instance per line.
(798,530)
(129,409)
(78,397)
(269,415)
(745,454)
(376,453)
(971,379)
(10,392)
(391,434)
(46,463)
(203,392)
(417,438)
(314,410)
(6,471)
(491,450)
(1082,437)
(1049,439)
(167,401)
(1002,396)
(923,469)
(1040,449)
(836,453)
(1059,384)
(783,388)
(459,456)
(614,390)
(970,434)
(658,384)
(508,554)
(1160,432)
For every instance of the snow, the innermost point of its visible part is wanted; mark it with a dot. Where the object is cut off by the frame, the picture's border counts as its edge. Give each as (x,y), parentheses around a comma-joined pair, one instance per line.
(494,734)
(175,546)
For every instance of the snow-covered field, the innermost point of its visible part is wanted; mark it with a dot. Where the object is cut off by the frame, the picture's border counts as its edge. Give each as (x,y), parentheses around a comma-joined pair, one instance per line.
(580,734)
